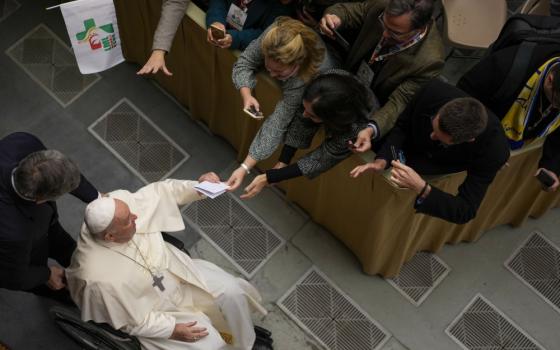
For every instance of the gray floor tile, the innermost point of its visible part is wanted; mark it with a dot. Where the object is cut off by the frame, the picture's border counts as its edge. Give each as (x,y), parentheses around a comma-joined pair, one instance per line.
(537,264)
(482,326)
(7,7)
(245,239)
(419,276)
(138,142)
(327,313)
(50,63)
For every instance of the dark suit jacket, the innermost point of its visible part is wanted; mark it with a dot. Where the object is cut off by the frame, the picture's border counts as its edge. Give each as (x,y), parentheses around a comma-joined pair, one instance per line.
(486,77)
(23,224)
(481,158)
(402,74)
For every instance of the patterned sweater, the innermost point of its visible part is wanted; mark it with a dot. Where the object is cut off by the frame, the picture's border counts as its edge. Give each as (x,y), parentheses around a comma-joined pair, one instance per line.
(272,132)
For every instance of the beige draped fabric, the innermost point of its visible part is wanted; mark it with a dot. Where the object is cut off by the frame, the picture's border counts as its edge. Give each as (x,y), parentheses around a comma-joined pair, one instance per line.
(375,220)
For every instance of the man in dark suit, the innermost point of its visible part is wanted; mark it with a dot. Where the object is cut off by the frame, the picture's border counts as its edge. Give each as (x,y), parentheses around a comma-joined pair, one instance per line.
(397,50)
(443,131)
(31,178)
(487,77)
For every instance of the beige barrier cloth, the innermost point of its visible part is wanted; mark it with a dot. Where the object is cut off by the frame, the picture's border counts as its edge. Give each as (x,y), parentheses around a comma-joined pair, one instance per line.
(373,218)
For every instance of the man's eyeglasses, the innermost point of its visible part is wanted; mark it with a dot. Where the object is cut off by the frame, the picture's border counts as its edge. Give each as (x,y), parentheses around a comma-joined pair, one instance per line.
(395,35)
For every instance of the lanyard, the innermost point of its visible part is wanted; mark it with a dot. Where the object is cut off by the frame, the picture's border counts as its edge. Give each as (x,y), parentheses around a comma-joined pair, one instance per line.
(376,57)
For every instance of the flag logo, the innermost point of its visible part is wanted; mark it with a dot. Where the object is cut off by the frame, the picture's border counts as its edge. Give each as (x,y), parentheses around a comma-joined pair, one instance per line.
(98,37)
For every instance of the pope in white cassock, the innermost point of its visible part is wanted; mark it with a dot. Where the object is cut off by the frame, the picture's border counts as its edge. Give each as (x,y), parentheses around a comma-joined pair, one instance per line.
(124,274)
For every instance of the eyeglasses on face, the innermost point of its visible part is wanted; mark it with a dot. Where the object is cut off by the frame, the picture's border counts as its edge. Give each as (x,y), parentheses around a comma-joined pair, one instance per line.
(393,34)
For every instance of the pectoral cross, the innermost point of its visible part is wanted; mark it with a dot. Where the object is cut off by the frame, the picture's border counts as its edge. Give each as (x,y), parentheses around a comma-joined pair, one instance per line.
(158,282)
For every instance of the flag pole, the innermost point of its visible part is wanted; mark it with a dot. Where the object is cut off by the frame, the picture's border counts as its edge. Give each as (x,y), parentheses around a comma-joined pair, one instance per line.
(53,7)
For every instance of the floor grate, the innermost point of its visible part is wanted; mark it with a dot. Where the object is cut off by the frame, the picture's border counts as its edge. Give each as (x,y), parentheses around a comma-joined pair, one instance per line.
(537,264)
(330,316)
(481,326)
(7,7)
(419,277)
(232,228)
(134,139)
(51,64)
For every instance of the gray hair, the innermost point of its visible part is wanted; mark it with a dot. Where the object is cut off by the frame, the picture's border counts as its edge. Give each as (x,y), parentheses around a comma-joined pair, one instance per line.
(45,175)
(421,10)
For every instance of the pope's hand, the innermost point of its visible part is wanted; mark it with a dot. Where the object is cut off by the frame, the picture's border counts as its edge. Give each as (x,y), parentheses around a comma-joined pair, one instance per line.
(187,332)
(255,187)
(155,63)
(56,279)
(210,177)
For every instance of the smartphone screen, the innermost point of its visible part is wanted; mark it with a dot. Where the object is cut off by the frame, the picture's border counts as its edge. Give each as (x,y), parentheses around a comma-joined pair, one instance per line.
(340,39)
(253,113)
(217,33)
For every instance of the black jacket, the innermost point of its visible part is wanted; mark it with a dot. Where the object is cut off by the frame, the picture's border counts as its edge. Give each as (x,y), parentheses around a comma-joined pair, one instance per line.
(481,158)
(24,224)
(486,77)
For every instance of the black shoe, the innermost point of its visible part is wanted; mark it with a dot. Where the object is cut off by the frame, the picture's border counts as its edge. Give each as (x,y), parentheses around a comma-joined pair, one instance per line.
(263,332)
(259,345)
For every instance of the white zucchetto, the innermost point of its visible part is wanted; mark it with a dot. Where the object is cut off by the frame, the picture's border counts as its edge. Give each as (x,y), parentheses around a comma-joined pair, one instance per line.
(99,214)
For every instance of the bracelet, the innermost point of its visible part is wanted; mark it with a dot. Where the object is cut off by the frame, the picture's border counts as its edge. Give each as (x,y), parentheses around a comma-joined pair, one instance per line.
(423,190)
(246,168)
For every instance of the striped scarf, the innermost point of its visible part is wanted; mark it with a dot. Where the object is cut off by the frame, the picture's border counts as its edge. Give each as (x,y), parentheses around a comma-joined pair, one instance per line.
(526,106)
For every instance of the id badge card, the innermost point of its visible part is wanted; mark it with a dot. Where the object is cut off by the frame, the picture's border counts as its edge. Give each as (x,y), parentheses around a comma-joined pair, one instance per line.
(236,17)
(365,74)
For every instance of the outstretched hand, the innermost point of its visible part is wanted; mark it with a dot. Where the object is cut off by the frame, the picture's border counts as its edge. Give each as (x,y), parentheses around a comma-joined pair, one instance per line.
(236,179)
(404,176)
(255,187)
(155,63)
(377,166)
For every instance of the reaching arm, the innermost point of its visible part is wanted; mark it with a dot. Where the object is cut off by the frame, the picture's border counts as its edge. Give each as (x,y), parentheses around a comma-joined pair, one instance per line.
(172,12)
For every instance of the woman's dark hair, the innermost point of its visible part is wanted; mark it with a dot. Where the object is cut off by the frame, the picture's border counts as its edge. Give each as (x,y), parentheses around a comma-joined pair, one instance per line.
(338,100)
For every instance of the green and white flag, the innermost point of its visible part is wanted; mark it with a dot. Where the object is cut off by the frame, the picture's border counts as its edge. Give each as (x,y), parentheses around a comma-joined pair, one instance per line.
(92,27)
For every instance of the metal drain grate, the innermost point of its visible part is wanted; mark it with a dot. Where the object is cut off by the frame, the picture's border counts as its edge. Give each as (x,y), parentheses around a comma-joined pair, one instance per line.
(482,326)
(7,7)
(537,264)
(231,227)
(419,277)
(51,64)
(134,139)
(330,316)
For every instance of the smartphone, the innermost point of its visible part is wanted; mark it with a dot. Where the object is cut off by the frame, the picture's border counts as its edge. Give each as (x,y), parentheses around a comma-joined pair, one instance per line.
(398,155)
(545,179)
(253,113)
(217,32)
(340,39)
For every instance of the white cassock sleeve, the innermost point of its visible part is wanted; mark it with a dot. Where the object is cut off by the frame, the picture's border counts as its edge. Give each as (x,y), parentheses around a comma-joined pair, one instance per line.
(182,190)
(155,325)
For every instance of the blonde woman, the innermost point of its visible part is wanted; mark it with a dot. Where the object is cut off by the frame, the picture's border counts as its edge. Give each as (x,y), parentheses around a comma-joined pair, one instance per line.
(292,53)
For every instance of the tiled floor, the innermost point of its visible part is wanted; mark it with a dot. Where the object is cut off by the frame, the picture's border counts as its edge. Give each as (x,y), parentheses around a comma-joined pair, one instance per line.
(438,288)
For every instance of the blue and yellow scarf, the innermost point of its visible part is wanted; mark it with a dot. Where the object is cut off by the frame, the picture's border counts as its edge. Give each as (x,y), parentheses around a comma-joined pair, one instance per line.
(525,106)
